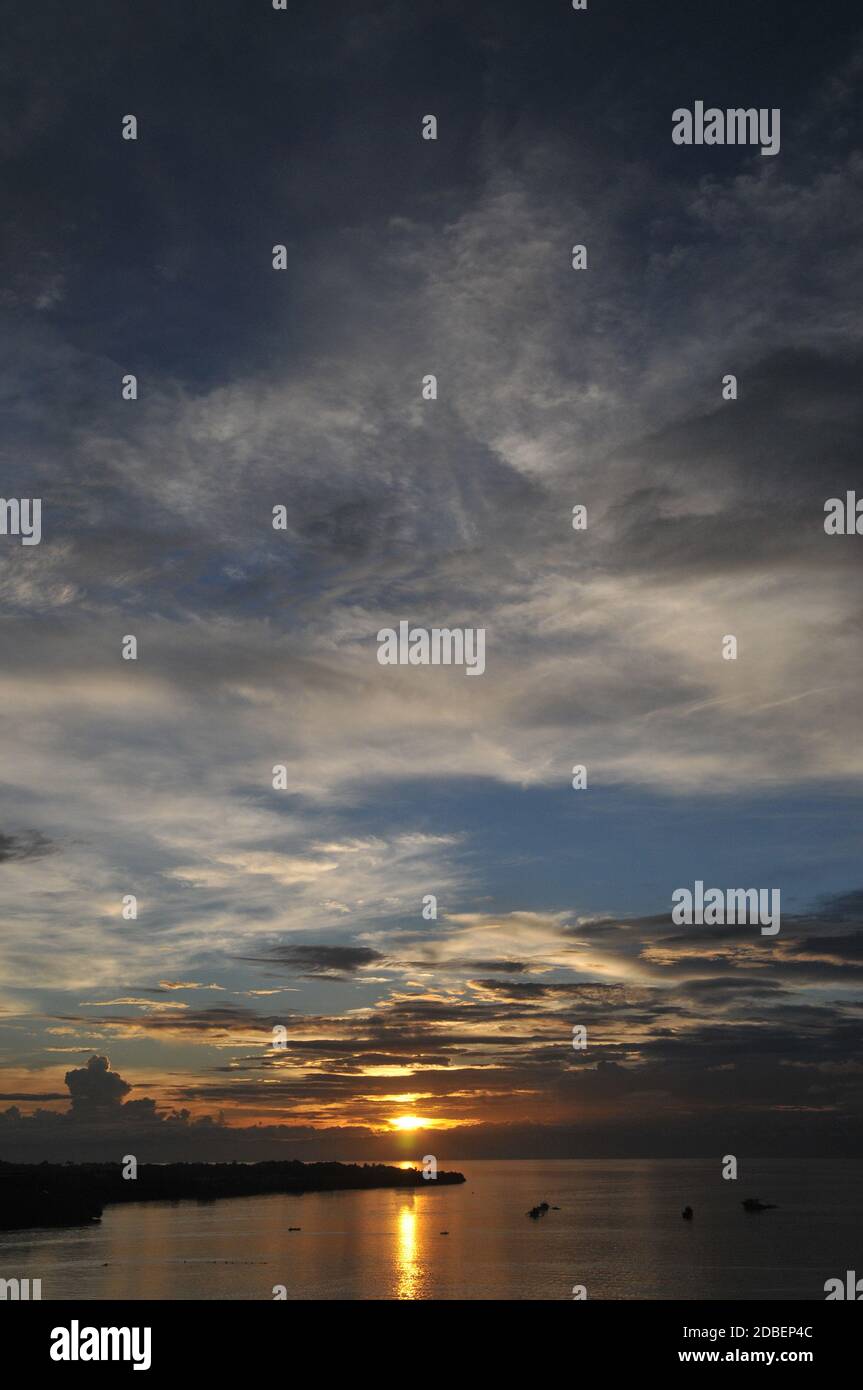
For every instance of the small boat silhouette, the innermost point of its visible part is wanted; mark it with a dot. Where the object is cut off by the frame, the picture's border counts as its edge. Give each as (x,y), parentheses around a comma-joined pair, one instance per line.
(687,1213)
(537,1212)
(753,1204)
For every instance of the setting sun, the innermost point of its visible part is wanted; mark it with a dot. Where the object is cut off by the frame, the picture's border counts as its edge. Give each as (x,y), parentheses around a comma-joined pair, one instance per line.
(410,1122)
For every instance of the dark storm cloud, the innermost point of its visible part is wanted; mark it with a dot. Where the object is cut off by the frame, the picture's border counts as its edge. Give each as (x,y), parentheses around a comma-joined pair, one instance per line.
(847,949)
(840,907)
(34,1095)
(807,403)
(452,965)
(320,962)
(23,845)
(730,987)
(95,1087)
(220,1023)
(729,950)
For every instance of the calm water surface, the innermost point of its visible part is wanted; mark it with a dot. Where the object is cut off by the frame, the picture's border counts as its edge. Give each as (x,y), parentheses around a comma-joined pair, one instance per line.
(618,1232)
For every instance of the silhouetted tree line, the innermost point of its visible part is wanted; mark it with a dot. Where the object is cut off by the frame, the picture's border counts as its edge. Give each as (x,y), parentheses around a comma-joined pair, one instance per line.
(71,1194)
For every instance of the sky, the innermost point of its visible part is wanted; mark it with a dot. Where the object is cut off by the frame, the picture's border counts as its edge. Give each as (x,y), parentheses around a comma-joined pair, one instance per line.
(302,908)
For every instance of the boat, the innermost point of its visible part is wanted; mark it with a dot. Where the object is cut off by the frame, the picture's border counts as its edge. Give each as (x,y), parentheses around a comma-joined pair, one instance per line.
(753,1204)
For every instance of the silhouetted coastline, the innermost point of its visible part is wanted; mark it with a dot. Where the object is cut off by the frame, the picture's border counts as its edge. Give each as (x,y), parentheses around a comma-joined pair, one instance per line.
(74,1194)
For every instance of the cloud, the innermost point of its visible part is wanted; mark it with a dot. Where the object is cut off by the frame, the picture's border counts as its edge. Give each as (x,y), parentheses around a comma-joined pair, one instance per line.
(27,844)
(324,962)
(257,647)
(95,1087)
